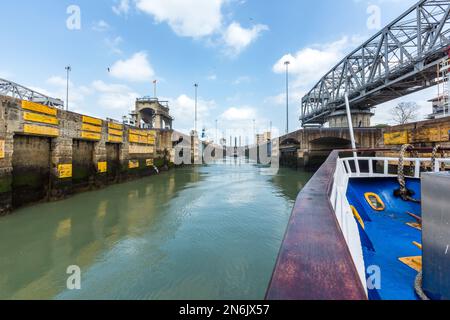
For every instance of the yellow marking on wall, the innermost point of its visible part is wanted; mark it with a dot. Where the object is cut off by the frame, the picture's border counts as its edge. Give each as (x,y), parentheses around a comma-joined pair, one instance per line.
(138,149)
(91,128)
(94,121)
(36,117)
(91,135)
(40,130)
(115,126)
(2,149)
(133,164)
(114,139)
(115,132)
(102,167)
(138,132)
(64,171)
(413,262)
(152,138)
(396,138)
(32,106)
(133,138)
(149,162)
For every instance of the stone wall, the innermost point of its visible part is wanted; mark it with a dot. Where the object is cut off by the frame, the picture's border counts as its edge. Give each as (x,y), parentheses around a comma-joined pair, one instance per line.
(49,154)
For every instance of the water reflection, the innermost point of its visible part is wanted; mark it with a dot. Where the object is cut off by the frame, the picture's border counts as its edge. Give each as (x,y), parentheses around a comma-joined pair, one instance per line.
(209,232)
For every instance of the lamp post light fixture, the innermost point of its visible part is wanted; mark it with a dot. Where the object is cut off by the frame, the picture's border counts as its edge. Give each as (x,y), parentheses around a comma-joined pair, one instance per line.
(287,63)
(68,70)
(196,92)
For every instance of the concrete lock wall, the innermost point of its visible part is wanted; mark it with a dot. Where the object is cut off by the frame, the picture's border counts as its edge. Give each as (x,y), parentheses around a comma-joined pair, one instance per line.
(49,154)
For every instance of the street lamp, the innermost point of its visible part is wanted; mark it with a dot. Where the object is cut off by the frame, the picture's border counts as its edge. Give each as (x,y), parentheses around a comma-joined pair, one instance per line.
(287,63)
(68,69)
(196,89)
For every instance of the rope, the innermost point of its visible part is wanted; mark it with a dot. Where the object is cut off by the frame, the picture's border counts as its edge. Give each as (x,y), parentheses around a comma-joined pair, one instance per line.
(418,287)
(403,192)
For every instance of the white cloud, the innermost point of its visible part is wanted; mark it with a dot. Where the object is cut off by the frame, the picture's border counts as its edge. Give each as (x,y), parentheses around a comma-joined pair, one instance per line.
(239,114)
(212,77)
(309,64)
(183,110)
(241,80)
(100,26)
(135,69)
(187,18)
(237,38)
(114,96)
(121,7)
(114,44)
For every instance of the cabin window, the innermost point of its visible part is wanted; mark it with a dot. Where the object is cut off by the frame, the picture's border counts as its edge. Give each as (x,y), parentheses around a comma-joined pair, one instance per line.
(375,201)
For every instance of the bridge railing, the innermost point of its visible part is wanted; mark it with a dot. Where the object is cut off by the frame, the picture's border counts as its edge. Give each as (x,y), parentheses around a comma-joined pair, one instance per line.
(371,163)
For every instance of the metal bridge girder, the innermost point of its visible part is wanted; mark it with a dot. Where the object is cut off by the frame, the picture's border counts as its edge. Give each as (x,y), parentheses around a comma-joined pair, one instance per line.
(419,37)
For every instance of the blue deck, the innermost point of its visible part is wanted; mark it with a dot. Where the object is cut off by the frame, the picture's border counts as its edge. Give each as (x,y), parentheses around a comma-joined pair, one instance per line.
(386,236)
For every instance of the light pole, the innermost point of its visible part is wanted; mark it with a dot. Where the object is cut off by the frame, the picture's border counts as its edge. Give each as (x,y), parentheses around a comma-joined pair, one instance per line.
(196,89)
(287,63)
(217,137)
(68,69)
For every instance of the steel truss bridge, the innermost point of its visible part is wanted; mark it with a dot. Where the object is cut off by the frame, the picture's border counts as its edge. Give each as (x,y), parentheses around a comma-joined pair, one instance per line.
(11,89)
(402,58)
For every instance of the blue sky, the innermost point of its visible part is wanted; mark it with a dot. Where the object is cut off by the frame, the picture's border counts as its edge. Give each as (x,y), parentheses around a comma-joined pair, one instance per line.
(234,49)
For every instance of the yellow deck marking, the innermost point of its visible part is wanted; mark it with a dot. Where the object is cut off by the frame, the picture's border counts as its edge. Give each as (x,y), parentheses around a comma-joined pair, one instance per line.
(418,245)
(64,171)
(102,167)
(413,262)
(94,121)
(358,217)
(114,139)
(415,225)
(91,136)
(36,117)
(32,106)
(40,130)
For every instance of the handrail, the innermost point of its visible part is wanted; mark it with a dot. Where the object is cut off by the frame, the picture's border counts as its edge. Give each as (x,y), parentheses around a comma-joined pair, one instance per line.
(314,262)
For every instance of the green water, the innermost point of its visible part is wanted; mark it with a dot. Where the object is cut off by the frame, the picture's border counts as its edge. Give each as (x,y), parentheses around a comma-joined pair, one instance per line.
(210,232)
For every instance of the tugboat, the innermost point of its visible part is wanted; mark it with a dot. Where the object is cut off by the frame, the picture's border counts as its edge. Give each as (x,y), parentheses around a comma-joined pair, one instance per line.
(374,228)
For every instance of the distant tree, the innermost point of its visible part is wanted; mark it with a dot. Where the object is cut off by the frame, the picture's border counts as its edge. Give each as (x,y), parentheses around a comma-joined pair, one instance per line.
(382,125)
(405,112)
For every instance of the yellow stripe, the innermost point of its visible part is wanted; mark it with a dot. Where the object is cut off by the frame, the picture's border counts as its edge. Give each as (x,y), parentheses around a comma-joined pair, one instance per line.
(91,135)
(36,117)
(115,139)
(358,217)
(115,126)
(93,121)
(32,106)
(413,262)
(40,130)
(115,132)
(138,132)
(91,128)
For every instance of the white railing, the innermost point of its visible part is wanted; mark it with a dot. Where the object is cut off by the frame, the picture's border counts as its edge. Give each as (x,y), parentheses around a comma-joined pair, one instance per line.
(347,168)
(346,220)
(354,171)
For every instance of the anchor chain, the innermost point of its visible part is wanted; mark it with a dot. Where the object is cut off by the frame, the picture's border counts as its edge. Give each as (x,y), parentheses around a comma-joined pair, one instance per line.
(403,192)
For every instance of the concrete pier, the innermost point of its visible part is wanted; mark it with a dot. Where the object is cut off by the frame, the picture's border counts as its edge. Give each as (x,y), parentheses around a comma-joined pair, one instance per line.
(48,154)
